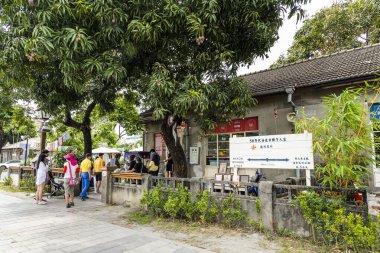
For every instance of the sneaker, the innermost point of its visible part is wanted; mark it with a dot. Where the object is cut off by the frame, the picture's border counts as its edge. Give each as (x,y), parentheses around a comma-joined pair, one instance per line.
(83,199)
(41,203)
(72,204)
(68,205)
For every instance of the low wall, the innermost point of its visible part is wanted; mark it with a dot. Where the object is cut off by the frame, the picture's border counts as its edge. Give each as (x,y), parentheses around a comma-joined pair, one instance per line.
(275,213)
(18,173)
(287,216)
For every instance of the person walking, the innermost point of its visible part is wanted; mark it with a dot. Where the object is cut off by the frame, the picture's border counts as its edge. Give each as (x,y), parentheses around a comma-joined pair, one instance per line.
(42,169)
(98,164)
(85,172)
(71,170)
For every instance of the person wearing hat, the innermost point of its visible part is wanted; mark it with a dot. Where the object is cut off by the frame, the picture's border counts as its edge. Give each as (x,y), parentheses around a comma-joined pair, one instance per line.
(85,169)
(71,169)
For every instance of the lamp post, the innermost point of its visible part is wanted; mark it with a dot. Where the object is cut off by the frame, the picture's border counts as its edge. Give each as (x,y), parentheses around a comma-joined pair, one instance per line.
(44,129)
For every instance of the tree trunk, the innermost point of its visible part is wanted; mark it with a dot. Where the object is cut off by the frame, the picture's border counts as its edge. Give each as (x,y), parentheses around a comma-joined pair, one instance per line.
(176,150)
(2,140)
(84,127)
(86,131)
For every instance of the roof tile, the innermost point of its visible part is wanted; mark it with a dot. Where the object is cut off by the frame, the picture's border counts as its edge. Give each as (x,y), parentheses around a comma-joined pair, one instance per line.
(342,66)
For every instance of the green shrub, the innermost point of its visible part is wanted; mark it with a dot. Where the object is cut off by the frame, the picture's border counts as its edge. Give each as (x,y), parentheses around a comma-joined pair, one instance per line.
(205,208)
(331,223)
(172,205)
(28,182)
(8,181)
(186,205)
(155,200)
(232,212)
(341,137)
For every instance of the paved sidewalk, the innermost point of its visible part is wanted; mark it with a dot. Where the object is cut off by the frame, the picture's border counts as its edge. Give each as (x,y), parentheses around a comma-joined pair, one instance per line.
(27,227)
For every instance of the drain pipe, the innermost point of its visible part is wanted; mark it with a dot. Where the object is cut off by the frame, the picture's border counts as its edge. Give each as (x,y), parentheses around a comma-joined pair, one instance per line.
(290,91)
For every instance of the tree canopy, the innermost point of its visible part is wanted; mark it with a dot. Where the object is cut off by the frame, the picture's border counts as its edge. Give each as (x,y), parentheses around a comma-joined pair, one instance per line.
(342,26)
(74,55)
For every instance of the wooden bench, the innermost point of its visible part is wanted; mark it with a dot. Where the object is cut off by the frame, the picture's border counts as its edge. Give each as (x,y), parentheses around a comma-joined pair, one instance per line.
(128,177)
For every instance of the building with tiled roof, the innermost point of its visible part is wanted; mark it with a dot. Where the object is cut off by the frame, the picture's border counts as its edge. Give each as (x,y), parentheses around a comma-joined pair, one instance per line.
(340,68)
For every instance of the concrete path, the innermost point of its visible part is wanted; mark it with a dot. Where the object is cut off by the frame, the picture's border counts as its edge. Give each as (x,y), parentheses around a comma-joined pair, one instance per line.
(27,227)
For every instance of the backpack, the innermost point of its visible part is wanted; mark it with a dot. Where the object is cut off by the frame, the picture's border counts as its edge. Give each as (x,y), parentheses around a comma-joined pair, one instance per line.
(156,159)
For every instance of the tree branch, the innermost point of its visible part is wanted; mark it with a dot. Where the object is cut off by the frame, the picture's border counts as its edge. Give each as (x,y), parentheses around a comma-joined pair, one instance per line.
(70,122)
(87,114)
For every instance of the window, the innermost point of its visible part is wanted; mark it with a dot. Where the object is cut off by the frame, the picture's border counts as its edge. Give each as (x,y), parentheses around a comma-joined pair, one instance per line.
(218,147)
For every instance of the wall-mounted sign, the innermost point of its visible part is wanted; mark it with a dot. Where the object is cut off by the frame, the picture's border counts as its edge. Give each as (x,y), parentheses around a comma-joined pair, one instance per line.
(238,125)
(290,151)
(194,155)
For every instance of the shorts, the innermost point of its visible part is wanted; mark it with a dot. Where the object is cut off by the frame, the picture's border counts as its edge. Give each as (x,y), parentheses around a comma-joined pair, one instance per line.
(68,189)
(98,176)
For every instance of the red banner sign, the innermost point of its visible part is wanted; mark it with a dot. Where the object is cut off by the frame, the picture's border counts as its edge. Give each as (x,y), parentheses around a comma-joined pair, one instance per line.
(238,125)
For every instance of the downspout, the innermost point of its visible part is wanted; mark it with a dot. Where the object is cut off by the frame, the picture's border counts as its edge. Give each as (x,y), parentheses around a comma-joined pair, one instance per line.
(290,91)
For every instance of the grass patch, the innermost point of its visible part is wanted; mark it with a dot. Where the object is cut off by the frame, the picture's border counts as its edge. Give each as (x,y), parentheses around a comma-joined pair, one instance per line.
(177,226)
(8,188)
(139,217)
(297,244)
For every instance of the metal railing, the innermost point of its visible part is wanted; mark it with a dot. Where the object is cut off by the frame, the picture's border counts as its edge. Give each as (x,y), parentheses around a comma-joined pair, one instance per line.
(169,182)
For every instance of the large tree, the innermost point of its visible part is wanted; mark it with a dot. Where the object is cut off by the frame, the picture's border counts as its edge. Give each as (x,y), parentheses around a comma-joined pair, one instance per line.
(77,54)
(71,55)
(342,26)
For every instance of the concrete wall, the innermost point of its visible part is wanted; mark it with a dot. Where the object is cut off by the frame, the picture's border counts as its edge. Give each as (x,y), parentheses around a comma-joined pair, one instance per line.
(131,195)
(286,216)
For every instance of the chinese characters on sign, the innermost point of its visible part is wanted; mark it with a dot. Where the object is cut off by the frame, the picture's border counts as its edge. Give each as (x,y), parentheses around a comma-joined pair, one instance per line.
(292,151)
(194,155)
(238,125)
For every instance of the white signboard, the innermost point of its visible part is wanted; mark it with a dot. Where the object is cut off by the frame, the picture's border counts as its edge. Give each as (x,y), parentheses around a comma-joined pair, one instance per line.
(377,177)
(290,151)
(194,155)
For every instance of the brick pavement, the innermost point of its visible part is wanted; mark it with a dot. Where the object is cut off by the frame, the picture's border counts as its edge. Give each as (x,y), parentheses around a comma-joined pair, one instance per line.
(27,227)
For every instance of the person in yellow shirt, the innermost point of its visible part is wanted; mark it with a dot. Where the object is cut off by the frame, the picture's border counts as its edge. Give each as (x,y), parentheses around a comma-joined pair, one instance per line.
(85,172)
(98,164)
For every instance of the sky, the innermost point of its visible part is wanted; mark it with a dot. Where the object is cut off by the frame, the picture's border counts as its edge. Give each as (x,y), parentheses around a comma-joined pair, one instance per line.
(286,34)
